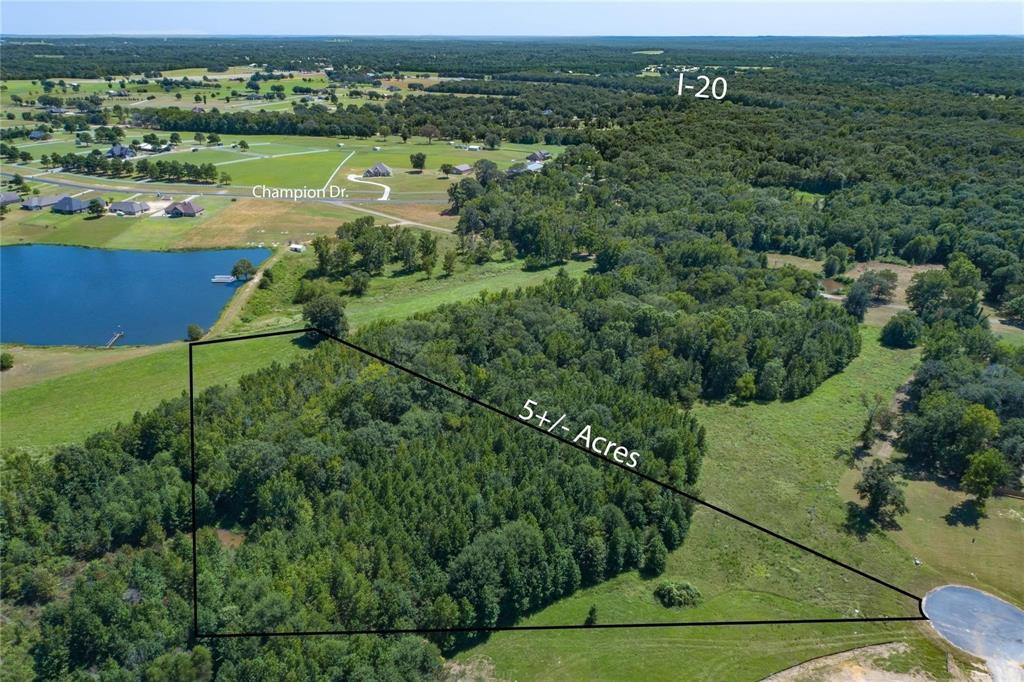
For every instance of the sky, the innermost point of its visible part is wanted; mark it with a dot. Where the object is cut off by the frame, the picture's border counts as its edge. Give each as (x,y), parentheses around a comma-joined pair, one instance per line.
(514,18)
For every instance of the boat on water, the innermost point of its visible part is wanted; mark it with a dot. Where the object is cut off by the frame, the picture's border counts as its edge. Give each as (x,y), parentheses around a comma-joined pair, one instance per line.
(223,279)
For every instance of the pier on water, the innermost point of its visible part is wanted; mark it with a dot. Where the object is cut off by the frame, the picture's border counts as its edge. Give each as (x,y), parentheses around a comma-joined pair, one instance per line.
(113,339)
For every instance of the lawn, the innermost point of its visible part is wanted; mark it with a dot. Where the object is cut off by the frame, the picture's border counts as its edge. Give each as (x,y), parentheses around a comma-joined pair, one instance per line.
(68,408)
(777,465)
(153,232)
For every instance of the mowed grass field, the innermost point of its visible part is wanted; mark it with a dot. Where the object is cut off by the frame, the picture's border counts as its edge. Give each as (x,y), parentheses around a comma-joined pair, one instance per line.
(92,396)
(778,465)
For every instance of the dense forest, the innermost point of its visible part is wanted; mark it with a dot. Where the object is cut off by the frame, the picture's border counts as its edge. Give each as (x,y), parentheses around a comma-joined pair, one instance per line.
(338,493)
(894,59)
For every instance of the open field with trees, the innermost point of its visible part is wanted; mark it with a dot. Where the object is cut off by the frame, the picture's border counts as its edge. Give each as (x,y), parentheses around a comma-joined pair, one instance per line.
(745,575)
(664,286)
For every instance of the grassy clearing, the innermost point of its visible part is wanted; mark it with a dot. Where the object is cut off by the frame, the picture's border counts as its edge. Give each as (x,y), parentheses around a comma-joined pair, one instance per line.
(986,553)
(392,296)
(68,408)
(777,465)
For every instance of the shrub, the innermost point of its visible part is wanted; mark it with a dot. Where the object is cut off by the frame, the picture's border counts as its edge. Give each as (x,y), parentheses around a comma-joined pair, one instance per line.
(6,360)
(310,289)
(672,594)
(903,330)
(358,282)
(195,332)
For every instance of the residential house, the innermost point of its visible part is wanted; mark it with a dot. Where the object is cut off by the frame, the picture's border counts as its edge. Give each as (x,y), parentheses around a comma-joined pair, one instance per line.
(70,205)
(8,198)
(462,169)
(120,151)
(37,135)
(129,207)
(378,171)
(39,203)
(183,209)
(539,155)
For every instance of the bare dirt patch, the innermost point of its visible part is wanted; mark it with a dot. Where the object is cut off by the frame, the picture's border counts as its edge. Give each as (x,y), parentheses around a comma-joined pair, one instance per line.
(229,539)
(424,213)
(857,665)
(475,669)
(904,273)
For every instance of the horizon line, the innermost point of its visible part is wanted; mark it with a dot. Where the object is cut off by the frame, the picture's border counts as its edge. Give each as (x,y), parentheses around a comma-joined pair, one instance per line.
(478,36)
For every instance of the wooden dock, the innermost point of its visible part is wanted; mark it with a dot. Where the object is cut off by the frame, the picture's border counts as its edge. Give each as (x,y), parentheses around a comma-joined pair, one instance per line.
(113,339)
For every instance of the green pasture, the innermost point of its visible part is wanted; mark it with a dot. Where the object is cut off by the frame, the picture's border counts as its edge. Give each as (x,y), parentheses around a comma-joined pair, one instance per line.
(779,465)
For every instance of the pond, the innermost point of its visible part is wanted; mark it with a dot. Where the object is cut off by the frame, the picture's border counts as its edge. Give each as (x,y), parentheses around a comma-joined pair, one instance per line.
(978,623)
(70,295)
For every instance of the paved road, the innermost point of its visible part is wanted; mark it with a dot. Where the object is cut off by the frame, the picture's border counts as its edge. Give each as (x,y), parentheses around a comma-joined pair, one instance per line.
(980,624)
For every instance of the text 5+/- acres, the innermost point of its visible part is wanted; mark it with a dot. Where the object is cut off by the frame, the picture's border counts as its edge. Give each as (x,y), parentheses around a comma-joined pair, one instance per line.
(597,444)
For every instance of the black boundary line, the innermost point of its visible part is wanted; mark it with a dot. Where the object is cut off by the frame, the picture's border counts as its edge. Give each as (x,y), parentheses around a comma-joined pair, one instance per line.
(499,411)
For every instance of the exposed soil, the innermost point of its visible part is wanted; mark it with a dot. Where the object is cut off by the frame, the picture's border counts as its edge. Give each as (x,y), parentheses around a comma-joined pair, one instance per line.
(858,665)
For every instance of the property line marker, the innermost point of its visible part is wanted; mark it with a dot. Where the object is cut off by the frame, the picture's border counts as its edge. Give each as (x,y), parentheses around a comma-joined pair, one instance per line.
(507,415)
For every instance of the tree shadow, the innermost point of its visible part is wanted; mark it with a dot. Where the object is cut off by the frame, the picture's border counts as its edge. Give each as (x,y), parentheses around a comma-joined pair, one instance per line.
(858,521)
(850,456)
(967,513)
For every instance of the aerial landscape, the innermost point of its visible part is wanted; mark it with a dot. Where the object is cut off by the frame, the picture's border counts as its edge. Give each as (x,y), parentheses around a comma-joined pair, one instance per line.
(489,345)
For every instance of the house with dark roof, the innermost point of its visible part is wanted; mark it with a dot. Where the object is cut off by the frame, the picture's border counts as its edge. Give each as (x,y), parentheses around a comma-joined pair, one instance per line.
(461,169)
(37,135)
(539,155)
(39,203)
(379,170)
(120,151)
(129,207)
(8,198)
(183,209)
(69,205)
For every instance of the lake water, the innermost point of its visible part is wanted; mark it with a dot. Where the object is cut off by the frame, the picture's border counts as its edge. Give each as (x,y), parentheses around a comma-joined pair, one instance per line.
(70,295)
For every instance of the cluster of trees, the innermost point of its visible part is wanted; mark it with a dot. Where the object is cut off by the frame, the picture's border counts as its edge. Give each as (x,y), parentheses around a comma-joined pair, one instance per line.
(338,493)
(361,249)
(967,425)
(96,163)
